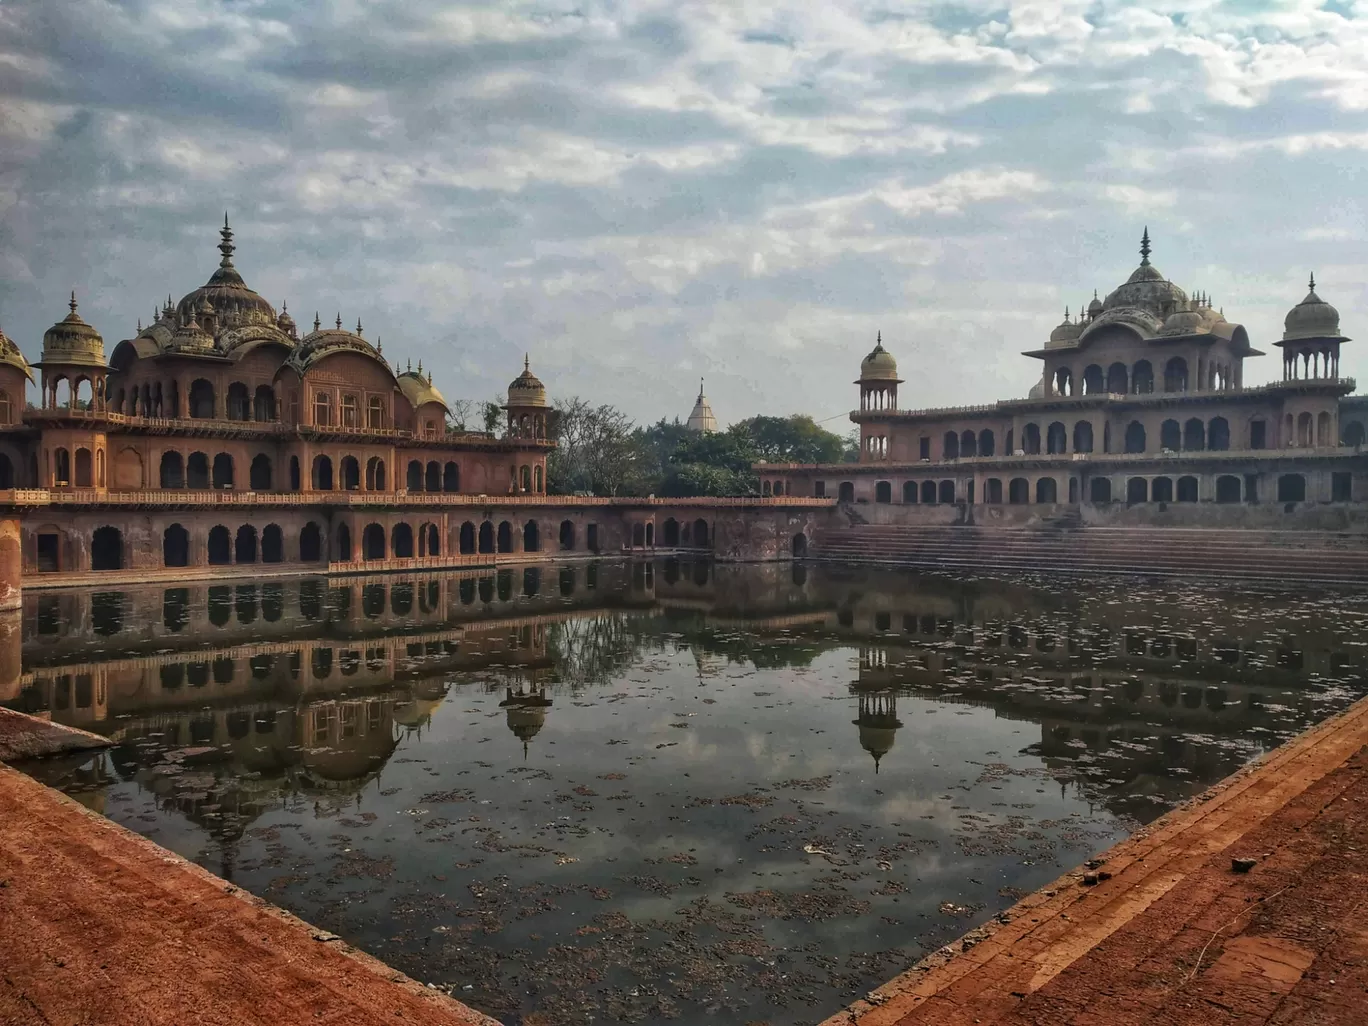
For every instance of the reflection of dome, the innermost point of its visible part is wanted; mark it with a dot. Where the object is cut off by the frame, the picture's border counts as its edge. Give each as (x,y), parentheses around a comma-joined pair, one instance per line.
(526,389)
(879,365)
(72,341)
(1313,317)
(227,296)
(526,714)
(416,713)
(878,722)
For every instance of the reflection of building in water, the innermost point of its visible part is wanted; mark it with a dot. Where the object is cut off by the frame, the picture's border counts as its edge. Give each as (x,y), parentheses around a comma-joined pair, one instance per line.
(526,705)
(878,722)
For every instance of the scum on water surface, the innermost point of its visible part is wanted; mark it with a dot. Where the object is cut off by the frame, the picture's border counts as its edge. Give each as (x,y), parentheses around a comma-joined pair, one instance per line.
(643,792)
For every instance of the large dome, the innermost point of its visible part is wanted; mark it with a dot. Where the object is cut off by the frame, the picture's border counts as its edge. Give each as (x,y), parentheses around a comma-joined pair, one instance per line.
(232,303)
(526,389)
(1313,317)
(323,342)
(879,365)
(71,340)
(1146,289)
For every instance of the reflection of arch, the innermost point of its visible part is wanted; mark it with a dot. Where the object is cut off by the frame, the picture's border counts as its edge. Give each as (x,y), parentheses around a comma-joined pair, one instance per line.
(175,546)
(373,542)
(106,549)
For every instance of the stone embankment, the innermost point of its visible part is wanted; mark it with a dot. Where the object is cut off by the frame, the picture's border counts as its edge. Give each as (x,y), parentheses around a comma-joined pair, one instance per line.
(1206,552)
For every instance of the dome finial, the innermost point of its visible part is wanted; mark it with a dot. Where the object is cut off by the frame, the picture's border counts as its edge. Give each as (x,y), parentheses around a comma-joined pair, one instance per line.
(1145,248)
(1313,281)
(317,323)
(226,245)
(72,304)
(700,388)
(339,320)
(527,361)
(358,325)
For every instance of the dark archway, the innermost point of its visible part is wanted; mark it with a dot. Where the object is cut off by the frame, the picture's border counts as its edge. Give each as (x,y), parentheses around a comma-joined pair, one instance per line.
(883,492)
(429,544)
(263,403)
(451,478)
(467,539)
(415,476)
(1187,489)
(1170,435)
(486,537)
(1194,435)
(350,471)
(909,491)
(106,549)
(1047,490)
(172,470)
(799,546)
(946,492)
(322,473)
(950,447)
(986,443)
(669,533)
(1118,379)
(310,543)
(1227,488)
(1093,382)
(1083,436)
(1218,434)
(700,533)
(531,537)
(1018,491)
(1142,378)
(928,492)
(1099,489)
(992,490)
(846,491)
(1030,439)
(239,402)
(373,542)
(245,547)
(1161,489)
(968,444)
(1176,375)
(1137,490)
(401,541)
(197,470)
(273,544)
(294,474)
(432,481)
(259,474)
(638,536)
(344,543)
(505,536)
(201,400)
(1353,433)
(1135,437)
(1056,439)
(220,546)
(175,546)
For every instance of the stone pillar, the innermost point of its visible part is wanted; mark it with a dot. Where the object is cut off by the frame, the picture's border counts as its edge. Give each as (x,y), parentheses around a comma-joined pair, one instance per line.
(11,564)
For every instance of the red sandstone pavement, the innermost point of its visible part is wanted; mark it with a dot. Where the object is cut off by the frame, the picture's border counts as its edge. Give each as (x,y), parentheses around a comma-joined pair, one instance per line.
(23,736)
(1175,936)
(100,926)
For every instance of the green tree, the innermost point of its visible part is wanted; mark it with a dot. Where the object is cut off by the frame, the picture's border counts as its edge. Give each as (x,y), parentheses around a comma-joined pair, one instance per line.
(597,450)
(794,439)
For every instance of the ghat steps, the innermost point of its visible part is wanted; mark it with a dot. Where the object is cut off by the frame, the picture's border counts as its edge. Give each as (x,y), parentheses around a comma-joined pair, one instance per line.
(1060,547)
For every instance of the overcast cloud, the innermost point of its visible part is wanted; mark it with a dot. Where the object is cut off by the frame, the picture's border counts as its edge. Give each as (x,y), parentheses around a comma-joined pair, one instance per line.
(642,193)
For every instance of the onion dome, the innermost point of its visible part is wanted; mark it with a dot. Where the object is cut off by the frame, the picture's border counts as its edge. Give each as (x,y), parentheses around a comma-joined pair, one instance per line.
(879,365)
(1066,332)
(1095,307)
(286,323)
(418,389)
(72,341)
(1037,391)
(1147,290)
(701,417)
(10,356)
(526,389)
(1313,317)
(233,304)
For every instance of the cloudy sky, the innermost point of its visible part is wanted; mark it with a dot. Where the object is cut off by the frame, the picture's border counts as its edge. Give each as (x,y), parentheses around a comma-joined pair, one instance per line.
(640,193)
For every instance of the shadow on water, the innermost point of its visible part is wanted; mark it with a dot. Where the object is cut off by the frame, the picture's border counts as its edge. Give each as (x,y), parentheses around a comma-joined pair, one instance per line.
(637,791)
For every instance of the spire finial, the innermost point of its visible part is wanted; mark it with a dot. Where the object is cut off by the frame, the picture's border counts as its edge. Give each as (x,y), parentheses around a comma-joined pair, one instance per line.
(410,364)
(1313,281)
(339,320)
(284,306)
(527,362)
(420,365)
(1145,248)
(700,388)
(139,325)
(226,245)
(317,323)
(358,325)
(72,304)
(878,338)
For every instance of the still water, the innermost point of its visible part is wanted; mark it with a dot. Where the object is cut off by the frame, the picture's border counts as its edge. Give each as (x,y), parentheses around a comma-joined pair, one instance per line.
(644,792)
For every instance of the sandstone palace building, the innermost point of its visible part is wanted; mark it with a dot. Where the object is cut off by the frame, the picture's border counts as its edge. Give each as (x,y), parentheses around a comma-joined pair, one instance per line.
(1142,403)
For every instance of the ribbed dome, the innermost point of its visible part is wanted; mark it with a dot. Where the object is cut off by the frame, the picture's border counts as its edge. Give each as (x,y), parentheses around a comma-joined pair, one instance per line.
(1313,317)
(323,342)
(526,389)
(879,365)
(1095,307)
(233,304)
(72,340)
(12,357)
(1182,322)
(286,323)
(1147,289)
(418,389)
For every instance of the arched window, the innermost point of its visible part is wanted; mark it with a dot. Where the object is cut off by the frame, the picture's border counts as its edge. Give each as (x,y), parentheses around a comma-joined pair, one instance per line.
(223,470)
(259,475)
(846,491)
(1142,378)
(197,470)
(992,490)
(1323,429)
(245,547)
(322,473)
(350,414)
(537,479)
(638,536)
(273,544)
(322,409)
(201,399)
(467,538)
(986,443)
(950,446)
(1064,381)
(375,474)
(1030,439)
(84,474)
(1218,434)
(1305,431)
(1227,488)
(1170,435)
(947,491)
(531,537)
(1056,438)
(1099,489)
(6,408)
(1194,435)
(373,542)
(700,533)
(1161,489)
(220,546)
(525,478)
(968,444)
(1118,379)
(883,492)
(310,543)
(928,492)
(1187,489)
(451,478)
(1093,382)
(106,549)
(239,402)
(173,471)
(909,491)
(61,468)
(415,476)
(401,541)
(263,403)
(375,413)
(344,544)
(1047,490)
(1137,490)
(351,473)
(1176,375)
(294,474)
(1018,491)
(432,480)
(1083,436)
(6,472)
(486,537)
(505,536)
(1135,437)
(1353,433)
(175,546)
